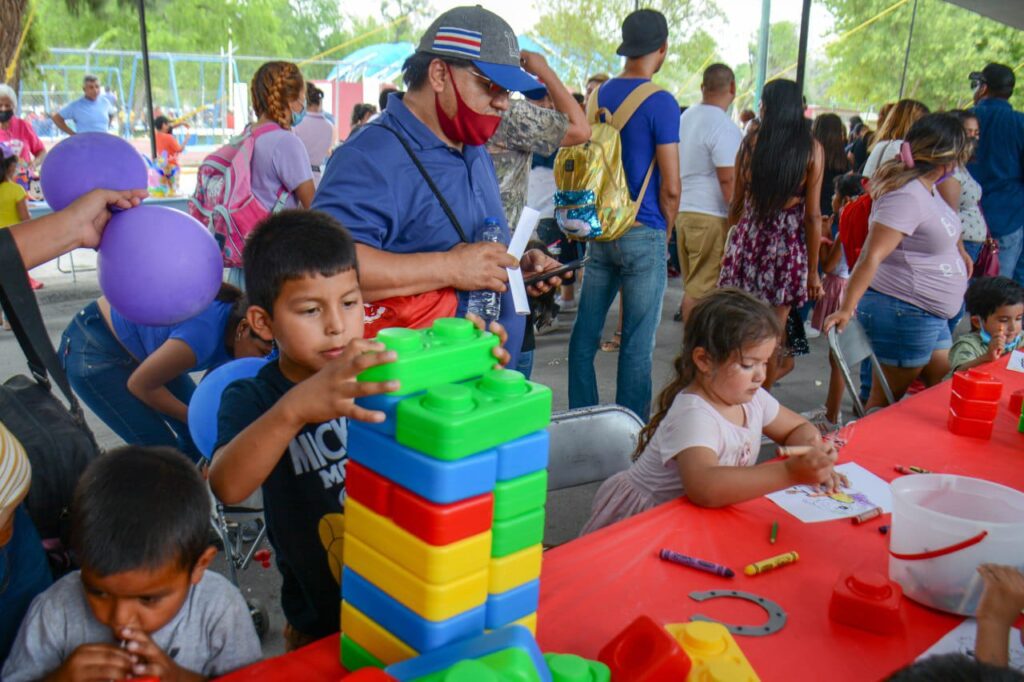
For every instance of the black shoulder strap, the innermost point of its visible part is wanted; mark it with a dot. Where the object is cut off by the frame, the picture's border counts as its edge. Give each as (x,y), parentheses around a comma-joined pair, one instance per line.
(430,181)
(19,303)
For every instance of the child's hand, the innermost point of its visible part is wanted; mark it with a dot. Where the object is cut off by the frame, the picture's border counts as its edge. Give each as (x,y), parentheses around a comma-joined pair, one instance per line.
(94,662)
(996,347)
(330,393)
(151,661)
(812,468)
(501,354)
(1003,598)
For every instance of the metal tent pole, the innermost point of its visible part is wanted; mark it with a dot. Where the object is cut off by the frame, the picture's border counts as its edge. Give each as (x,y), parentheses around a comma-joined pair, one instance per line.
(146,76)
(906,54)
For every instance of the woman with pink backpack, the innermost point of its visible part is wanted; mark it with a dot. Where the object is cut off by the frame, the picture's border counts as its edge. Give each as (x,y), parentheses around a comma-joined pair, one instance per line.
(263,171)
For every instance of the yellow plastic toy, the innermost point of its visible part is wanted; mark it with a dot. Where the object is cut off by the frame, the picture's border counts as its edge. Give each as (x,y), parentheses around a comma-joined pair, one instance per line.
(358,627)
(433,602)
(516,569)
(715,655)
(432,564)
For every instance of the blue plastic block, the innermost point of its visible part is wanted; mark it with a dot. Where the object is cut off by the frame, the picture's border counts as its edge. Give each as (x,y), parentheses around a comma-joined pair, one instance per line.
(523,456)
(499,640)
(418,632)
(437,480)
(512,605)
(388,404)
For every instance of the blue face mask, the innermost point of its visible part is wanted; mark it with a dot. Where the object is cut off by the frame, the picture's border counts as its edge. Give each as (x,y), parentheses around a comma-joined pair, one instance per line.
(1010,345)
(298,116)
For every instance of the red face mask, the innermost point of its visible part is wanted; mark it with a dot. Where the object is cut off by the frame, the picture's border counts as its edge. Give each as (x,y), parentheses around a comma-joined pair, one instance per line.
(467,126)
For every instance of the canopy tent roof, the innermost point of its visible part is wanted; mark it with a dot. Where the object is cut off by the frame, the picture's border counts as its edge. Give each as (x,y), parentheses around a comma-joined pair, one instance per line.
(1009,12)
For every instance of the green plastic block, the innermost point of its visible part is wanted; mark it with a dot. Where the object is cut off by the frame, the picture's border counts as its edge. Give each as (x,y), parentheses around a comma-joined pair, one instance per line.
(507,665)
(571,668)
(520,532)
(519,495)
(452,350)
(1020,424)
(451,421)
(354,657)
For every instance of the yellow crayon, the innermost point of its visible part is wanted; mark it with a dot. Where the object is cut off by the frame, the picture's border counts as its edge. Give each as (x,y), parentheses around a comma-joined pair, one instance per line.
(773,562)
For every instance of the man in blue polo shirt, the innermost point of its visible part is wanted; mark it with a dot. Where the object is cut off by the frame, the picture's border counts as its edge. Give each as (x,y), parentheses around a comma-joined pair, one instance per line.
(636,263)
(91,113)
(999,164)
(415,248)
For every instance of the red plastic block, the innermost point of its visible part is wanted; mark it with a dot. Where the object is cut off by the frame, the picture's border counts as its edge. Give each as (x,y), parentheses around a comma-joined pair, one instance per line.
(973,428)
(985,410)
(436,524)
(1017,402)
(977,385)
(645,652)
(867,600)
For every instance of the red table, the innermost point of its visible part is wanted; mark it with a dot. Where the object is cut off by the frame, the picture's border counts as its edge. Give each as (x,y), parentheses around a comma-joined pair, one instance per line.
(592,587)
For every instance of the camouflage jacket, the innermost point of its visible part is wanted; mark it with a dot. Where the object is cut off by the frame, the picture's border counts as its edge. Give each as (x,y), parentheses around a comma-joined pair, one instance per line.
(525,130)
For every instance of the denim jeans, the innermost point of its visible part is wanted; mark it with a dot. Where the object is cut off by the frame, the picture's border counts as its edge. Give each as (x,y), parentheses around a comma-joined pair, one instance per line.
(636,264)
(1011,247)
(524,364)
(973,249)
(98,368)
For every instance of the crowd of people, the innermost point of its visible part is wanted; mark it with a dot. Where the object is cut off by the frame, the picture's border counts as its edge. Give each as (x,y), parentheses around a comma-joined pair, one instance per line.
(904,229)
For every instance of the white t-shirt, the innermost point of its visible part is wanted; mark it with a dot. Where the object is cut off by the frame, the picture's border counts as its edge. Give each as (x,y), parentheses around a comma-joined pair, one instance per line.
(883,151)
(693,422)
(708,140)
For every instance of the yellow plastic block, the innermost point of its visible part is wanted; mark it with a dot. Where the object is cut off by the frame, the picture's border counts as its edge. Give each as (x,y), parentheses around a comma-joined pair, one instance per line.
(436,565)
(515,569)
(358,627)
(433,602)
(715,655)
(528,621)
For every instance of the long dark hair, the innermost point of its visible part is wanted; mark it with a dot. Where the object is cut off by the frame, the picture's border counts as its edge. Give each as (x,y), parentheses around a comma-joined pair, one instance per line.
(722,323)
(828,129)
(779,154)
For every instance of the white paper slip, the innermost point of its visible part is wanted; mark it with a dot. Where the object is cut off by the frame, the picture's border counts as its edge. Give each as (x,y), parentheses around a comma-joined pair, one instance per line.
(811,505)
(1016,363)
(517,247)
(962,638)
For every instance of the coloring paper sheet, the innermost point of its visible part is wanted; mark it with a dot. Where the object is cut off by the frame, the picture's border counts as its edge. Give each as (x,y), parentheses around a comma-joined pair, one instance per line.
(810,505)
(960,640)
(1016,362)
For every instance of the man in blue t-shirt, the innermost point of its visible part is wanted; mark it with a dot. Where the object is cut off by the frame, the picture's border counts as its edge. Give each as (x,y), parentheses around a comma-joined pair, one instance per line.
(998,164)
(417,249)
(636,262)
(91,113)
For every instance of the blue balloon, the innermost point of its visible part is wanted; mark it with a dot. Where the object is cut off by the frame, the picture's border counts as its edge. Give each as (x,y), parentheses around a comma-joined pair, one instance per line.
(202,409)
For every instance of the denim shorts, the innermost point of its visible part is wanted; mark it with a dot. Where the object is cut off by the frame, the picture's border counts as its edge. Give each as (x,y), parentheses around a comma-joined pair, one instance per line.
(902,335)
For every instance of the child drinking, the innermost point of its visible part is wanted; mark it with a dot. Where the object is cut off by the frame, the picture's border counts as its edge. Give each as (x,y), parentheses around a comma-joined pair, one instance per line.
(847,188)
(996,307)
(704,440)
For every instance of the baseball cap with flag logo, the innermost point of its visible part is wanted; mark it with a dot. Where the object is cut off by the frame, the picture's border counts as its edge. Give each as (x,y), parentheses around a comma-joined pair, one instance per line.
(486,40)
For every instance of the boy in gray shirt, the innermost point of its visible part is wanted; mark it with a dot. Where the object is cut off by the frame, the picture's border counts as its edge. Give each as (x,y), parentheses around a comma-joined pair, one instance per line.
(143,604)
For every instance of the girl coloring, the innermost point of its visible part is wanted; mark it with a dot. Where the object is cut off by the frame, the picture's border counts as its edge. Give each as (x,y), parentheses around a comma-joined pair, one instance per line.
(704,440)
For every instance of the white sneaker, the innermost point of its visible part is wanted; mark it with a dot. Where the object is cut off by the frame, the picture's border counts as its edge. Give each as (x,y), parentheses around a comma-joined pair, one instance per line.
(569,306)
(810,332)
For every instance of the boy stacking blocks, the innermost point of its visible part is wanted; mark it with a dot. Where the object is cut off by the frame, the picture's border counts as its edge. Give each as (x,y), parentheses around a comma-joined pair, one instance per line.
(445,509)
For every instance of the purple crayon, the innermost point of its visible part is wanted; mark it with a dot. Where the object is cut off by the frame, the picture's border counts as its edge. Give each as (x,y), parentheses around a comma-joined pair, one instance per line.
(699,564)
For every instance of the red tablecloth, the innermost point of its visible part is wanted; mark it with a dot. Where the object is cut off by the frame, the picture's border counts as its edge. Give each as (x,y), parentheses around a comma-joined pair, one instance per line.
(592,587)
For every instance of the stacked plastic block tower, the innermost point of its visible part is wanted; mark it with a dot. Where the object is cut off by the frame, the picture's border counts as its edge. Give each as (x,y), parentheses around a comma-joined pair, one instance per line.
(974,403)
(445,505)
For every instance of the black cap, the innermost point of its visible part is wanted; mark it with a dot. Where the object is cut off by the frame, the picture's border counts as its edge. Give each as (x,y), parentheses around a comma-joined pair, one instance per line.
(643,32)
(159,122)
(998,77)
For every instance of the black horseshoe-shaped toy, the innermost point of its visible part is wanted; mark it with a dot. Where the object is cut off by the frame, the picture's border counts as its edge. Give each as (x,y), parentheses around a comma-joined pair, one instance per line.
(776,615)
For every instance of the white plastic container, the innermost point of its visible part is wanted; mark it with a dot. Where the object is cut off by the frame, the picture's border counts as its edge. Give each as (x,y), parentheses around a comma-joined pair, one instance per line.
(943,528)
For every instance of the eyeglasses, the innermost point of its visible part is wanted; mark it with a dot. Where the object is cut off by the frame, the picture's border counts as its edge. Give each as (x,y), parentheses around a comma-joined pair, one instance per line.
(493,89)
(977,83)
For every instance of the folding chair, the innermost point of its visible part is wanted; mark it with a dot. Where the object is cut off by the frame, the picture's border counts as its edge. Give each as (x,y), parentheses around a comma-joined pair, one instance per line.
(853,347)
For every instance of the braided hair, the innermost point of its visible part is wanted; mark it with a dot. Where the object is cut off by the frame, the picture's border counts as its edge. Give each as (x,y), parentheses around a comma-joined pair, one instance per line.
(273,87)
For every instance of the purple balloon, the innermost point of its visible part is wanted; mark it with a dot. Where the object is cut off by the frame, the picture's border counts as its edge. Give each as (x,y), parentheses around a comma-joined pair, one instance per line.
(88,161)
(158,266)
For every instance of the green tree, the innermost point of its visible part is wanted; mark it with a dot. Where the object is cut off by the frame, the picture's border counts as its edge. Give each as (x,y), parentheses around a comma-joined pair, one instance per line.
(949,42)
(585,34)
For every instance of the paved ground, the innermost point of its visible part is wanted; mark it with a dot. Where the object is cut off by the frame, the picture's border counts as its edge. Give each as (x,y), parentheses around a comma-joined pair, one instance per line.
(802,390)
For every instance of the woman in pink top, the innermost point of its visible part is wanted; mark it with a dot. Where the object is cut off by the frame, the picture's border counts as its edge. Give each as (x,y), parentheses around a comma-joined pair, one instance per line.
(317,133)
(705,438)
(19,135)
(911,276)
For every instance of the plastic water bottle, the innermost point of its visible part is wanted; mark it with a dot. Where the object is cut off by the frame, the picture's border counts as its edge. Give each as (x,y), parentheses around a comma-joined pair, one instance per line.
(484,302)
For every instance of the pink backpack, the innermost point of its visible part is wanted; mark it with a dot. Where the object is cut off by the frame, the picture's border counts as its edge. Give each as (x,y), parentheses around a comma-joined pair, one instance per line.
(224,201)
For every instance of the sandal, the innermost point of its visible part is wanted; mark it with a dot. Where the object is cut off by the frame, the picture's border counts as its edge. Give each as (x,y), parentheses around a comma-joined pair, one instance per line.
(613,345)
